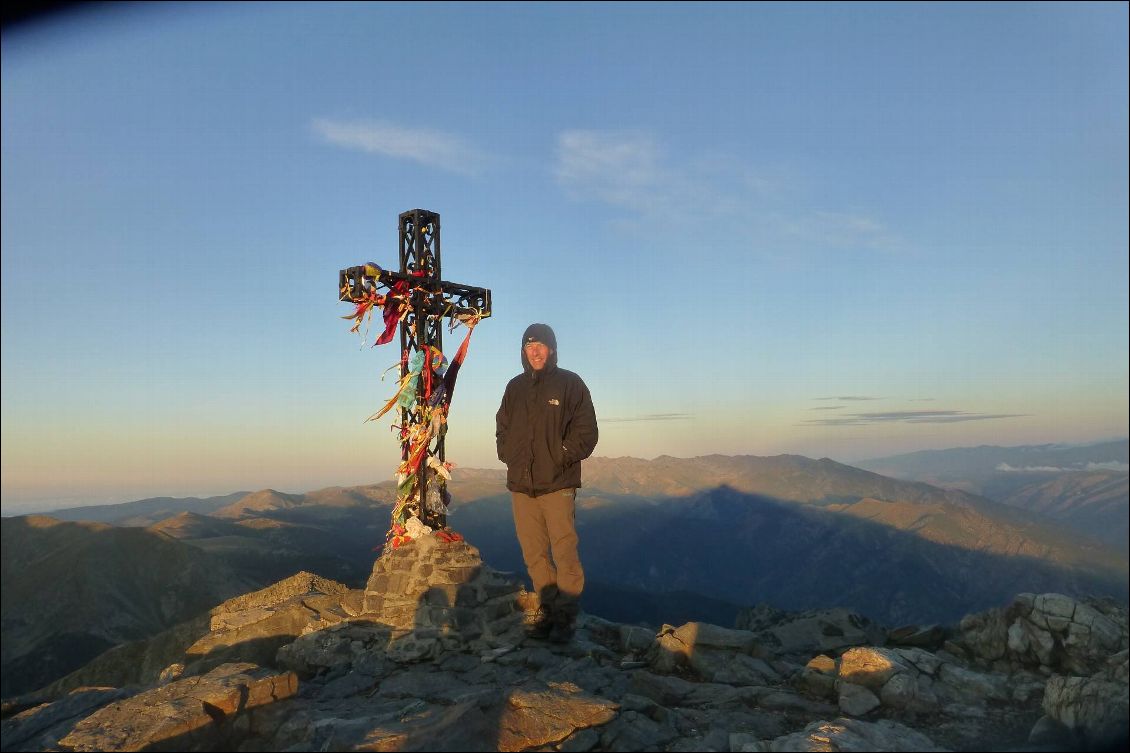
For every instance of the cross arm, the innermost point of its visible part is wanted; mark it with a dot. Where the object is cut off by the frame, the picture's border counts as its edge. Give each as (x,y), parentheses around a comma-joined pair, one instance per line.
(451,298)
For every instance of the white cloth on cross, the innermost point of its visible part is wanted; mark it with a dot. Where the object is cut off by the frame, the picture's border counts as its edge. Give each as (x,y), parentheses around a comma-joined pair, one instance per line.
(416,529)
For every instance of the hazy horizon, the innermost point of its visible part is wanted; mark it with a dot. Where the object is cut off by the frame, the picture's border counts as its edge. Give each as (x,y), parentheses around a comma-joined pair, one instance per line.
(831,230)
(48,504)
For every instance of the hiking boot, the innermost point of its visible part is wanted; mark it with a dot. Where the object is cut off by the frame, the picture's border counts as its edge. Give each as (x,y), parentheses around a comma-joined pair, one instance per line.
(540,626)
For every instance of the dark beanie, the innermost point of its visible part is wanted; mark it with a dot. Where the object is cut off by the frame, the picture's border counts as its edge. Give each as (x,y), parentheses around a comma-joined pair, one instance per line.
(539,333)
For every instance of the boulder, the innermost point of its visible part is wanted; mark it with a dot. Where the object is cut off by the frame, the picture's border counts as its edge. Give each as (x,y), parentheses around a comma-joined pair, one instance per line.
(255,635)
(709,650)
(958,684)
(870,667)
(857,700)
(923,661)
(635,639)
(537,715)
(818,678)
(1052,631)
(901,679)
(189,713)
(909,691)
(985,634)
(1096,708)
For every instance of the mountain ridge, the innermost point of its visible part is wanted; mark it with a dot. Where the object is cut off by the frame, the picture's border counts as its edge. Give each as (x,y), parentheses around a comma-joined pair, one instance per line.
(1081,486)
(787,530)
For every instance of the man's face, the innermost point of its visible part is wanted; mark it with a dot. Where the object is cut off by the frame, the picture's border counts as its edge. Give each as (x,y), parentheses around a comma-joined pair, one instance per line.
(537,354)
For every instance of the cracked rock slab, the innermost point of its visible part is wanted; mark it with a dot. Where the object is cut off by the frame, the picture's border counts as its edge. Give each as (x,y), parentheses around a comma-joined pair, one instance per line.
(534,716)
(193,708)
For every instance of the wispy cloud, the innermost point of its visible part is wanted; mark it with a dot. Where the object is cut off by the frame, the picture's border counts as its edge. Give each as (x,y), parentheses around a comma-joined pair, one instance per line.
(617,169)
(827,407)
(839,229)
(1111,466)
(423,145)
(908,417)
(648,417)
(631,170)
(849,397)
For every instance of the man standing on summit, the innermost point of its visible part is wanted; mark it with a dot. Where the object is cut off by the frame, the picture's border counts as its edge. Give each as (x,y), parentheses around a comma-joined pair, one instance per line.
(545,427)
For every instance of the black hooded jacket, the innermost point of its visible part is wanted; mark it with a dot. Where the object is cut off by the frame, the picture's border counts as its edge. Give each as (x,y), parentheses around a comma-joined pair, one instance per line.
(545,426)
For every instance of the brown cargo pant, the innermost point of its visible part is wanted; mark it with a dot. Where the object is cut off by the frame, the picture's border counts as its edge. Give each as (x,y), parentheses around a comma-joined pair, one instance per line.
(545,524)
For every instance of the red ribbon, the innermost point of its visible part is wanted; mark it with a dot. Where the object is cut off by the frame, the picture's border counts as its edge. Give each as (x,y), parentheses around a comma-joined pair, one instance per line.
(395,302)
(453,368)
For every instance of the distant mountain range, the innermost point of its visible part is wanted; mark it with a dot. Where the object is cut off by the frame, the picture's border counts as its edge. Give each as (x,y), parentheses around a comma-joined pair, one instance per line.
(145,512)
(669,539)
(1083,486)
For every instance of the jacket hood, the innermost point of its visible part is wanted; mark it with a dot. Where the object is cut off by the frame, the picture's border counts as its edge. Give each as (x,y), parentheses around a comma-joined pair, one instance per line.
(541,333)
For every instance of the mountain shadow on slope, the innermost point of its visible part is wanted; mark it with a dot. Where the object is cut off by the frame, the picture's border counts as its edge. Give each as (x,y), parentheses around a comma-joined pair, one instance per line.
(745,549)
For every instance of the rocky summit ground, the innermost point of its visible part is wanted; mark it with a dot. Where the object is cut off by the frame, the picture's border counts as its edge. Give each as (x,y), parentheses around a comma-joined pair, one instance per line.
(432,655)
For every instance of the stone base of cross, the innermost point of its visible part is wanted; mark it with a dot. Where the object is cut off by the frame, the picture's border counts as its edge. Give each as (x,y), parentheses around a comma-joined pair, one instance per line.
(417,300)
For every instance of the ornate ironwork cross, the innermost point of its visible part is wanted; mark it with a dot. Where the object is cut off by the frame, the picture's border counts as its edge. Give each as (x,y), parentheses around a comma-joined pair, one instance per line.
(420,299)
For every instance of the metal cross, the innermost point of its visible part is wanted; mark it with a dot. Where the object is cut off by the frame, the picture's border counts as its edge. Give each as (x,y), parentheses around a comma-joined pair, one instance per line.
(424,300)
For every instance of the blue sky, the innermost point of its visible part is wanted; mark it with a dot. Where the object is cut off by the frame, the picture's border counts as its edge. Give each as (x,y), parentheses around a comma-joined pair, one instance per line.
(844,230)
